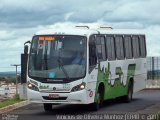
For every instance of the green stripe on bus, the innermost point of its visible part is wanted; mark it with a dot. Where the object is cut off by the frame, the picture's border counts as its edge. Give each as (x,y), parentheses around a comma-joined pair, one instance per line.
(118,89)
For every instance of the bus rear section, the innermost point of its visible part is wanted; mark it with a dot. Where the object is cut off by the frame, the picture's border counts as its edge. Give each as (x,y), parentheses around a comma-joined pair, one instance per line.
(119,62)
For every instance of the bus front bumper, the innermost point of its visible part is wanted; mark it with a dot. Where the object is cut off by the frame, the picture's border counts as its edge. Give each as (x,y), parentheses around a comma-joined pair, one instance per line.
(78,97)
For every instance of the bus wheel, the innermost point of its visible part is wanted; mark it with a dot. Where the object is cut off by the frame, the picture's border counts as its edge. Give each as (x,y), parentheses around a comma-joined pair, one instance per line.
(47,106)
(128,97)
(96,105)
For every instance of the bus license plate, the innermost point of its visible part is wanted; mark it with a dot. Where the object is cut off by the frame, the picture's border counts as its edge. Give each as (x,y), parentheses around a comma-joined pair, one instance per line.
(53,96)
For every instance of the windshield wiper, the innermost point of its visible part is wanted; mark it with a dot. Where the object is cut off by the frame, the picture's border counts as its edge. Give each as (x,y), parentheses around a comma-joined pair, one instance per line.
(61,66)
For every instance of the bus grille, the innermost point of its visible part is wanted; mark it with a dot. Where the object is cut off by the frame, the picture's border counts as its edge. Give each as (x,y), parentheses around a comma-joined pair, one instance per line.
(60,98)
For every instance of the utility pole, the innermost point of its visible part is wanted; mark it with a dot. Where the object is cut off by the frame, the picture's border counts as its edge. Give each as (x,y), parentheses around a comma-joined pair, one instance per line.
(16,65)
(153,69)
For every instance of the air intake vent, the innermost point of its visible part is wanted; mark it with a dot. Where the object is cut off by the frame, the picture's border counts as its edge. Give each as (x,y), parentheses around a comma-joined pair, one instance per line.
(60,98)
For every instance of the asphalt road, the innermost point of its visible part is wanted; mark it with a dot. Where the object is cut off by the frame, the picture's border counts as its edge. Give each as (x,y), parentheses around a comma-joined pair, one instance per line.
(144,102)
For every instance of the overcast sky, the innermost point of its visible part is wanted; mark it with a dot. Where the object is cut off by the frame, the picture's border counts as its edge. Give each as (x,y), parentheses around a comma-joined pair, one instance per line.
(20,19)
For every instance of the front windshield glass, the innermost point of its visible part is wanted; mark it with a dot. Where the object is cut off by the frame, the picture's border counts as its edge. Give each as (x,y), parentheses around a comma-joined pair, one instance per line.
(58,57)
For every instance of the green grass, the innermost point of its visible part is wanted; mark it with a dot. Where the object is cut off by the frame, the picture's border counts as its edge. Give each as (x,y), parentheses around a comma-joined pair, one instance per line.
(10,102)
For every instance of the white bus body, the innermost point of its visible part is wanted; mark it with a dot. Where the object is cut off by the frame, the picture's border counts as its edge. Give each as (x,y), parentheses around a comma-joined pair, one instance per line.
(115,65)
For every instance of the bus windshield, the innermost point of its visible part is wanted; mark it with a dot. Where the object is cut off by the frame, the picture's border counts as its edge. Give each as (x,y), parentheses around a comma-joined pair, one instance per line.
(58,57)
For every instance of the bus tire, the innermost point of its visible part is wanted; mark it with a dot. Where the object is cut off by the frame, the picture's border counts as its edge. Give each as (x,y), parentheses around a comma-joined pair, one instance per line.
(47,106)
(128,97)
(99,102)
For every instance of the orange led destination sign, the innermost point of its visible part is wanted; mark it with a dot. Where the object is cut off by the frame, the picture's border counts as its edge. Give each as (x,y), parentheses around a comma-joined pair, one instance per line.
(46,38)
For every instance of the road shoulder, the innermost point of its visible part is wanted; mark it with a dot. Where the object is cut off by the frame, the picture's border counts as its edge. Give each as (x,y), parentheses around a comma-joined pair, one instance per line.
(14,106)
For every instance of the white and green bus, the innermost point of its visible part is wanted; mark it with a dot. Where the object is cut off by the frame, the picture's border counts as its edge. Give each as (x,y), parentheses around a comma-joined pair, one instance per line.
(85,66)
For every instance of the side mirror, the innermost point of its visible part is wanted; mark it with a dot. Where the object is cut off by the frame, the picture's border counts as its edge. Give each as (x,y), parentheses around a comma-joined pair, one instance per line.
(27,42)
(26,49)
(24,60)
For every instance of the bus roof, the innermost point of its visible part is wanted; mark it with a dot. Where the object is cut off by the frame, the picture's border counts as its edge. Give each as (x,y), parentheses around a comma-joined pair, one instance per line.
(85,31)
(68,31)
(121,31)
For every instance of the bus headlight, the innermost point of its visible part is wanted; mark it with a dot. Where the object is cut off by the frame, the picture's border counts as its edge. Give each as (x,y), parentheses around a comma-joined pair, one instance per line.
(32,86)
(79,87)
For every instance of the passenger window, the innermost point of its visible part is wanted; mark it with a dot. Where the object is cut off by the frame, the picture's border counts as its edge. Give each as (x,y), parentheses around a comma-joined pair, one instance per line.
(100,46)
(128,46)
(92,52)
(119,47)
(142,46)
(135,46)
(110,47)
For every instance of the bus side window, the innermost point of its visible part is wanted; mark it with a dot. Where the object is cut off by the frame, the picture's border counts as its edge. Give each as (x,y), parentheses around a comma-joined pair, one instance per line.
(119,47)
(110,47)
(92,52)
(128,46)
(136,47)
(142,46)
(100,48)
